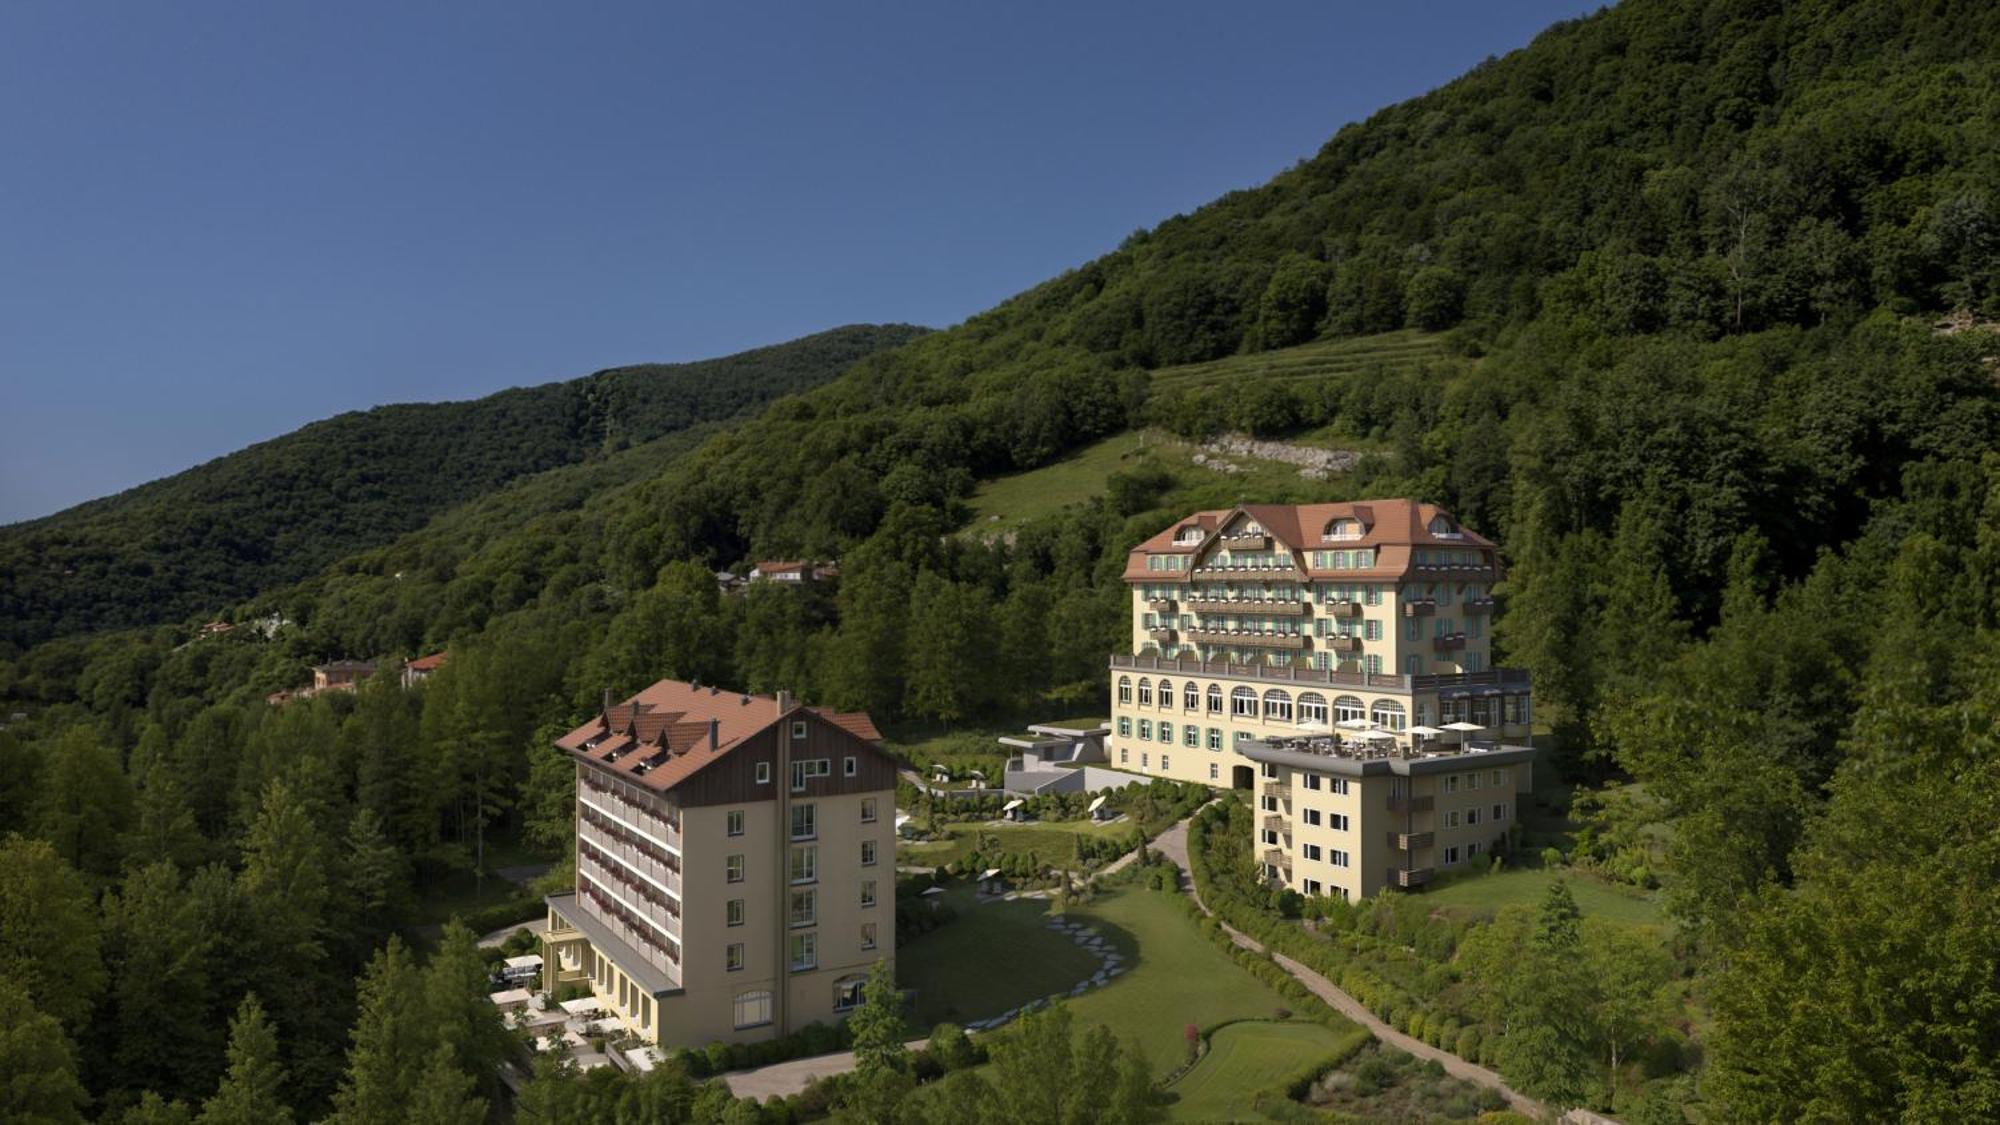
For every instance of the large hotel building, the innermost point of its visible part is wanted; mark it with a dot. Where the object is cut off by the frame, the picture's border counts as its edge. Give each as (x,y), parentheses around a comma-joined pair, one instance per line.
(735,864)
(1334,658)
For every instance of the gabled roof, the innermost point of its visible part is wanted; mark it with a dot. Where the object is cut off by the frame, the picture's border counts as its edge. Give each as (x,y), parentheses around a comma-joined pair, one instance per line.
(429,663)
(1392,527)
(668,732)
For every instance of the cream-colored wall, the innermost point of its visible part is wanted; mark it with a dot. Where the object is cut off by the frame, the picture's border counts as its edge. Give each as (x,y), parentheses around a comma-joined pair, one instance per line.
(1129,753)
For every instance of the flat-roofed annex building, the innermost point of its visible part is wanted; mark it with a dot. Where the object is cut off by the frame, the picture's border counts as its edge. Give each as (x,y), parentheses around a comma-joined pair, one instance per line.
(1283,622)
(735,864)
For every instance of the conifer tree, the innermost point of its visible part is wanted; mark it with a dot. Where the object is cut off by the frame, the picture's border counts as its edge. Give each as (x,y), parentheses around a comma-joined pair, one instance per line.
(253,1090)
(38,1080)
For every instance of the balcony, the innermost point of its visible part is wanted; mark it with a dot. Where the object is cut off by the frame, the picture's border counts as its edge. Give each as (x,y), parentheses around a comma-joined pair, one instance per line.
(1411,841)
(1247,541)
(1276,857)
(1419,607)
(660,873)
(1278,789)
(1410,877)
(1341,642)
(1248,607)
(1258,640)
(1477,607)
(1340,609)
(1164,605)
(1448,642)
(1404,803)
(1276,822)
(1160,633)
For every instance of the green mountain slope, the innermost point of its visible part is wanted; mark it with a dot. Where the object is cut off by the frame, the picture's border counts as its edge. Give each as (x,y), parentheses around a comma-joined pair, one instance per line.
(281,509)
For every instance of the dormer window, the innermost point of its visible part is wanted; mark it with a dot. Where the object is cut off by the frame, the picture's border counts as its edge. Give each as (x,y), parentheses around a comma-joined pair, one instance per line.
(1443,528)
(1188,534)
(1344,528)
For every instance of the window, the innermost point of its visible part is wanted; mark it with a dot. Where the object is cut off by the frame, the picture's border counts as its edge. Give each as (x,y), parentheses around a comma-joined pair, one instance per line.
(1451,783)
(812,767)
(867,935)
(1278,705)
(1145,760)
(1269,771)
(1215,738)
(1471,850)
(1191,737)
(867,810)
(1163,763)
(1167,733)
(805,951)
(1312,708)
(1270,836)
(1451,818)
(1145,693)
(805,822)
(1313,781)
(1312,851)
(1339,785)
(1496,779)
(847,993)
(1268,803)
(1312,886)
(1339,822)
(763,773)
(734,821)
(1213,775)
(1348,708)
(1472,780)
(1124,727)
(735,869)
(1243,703)
(1312,817)
(1124,755)
(1371,630)
(867,892)
(1145,730)
(805,863)
(1499,812)
(1390,714)
(1191,698)
(1472,816)
(805,907)
(753,1009)
(1166,693)
(1214,699)
(732,957)
(798,730)
(867,853)
(735,911)
(1338,858)
(1125,689)
(848,767)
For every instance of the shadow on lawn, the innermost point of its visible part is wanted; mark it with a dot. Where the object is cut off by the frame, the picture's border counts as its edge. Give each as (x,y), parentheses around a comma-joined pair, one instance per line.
(1006,957)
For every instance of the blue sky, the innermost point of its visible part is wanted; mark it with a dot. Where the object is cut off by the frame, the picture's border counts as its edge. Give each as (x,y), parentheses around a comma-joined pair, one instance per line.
(220,222)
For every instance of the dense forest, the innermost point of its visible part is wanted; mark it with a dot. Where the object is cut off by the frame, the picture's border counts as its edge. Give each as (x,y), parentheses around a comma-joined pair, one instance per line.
(1723,275)
(282,509)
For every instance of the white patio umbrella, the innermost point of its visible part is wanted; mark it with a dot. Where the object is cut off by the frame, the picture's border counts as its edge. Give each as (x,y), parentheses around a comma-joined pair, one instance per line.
(1463,728)
(1356,723)
(1426,732)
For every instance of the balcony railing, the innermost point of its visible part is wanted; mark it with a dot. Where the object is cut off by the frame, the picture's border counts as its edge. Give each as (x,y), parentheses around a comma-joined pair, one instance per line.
(1247,540)
(1507,679)
(1276,857)
(1410,877)
(1473,607)
(1160,632)
(1342,608)
(1410,841)
(1239,638)
(1164,605)
(1341,642)
(1276,822)
(1419,607)
(1248,607)
(1278,789)
(1404,803)
(1448,642)
(636,858)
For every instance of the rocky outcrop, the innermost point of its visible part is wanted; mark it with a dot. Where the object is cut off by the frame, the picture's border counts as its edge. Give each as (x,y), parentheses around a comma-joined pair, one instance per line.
(1313,463)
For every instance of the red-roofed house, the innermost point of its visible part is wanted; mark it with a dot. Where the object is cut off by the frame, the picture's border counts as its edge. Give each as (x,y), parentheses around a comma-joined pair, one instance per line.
(735,864)
(421,669)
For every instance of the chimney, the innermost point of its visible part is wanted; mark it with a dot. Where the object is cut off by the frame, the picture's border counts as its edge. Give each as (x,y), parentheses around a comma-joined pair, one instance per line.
(714,735)
(784,701)
(607,701)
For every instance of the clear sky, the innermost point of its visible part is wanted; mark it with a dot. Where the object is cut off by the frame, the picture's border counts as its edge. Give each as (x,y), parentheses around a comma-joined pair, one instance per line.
(220,222)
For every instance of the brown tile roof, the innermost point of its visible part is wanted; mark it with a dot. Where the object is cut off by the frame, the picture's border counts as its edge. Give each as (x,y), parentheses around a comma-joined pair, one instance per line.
(1392,527)
(428,663)
(668,726)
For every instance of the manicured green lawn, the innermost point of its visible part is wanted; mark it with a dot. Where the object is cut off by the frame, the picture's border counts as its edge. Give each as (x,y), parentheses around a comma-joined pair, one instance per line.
(1054,841)
(994,956)
(1526,886)
(1175,978)
(1242,1059)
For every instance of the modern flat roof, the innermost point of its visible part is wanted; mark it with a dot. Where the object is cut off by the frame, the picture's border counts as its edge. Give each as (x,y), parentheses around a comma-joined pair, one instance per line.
(649,976)
(1413,765)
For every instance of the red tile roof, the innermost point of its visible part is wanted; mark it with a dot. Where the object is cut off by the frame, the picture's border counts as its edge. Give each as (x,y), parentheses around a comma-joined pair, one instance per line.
(667,728)
(1392,527)
(428,663)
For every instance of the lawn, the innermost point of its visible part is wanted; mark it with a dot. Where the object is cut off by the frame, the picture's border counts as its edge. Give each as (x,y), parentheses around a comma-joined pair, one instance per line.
(1242,1059)
(994,956)
(1176,978)
(1053,841)
(1525,887)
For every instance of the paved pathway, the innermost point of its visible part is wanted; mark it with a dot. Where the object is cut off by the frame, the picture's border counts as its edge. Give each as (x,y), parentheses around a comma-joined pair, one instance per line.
(1172,843)
(787,1078)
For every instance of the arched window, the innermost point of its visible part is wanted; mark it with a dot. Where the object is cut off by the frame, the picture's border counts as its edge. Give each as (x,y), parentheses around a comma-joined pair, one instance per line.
(1243,702)
(1348,707)
(1312,708)
(1215,699)
(1166,693)
(1389,713)
(1278,705)
(1345,527)
(1145,692)
(1125,689)
(1191,697)
(753,1009)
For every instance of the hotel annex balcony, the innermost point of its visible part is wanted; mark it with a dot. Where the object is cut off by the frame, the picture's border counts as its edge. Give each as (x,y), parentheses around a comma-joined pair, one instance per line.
(1276,822)
(1419,607)
(1240,638)
(1407,877)
(1248,607)
(1164,605)
(1340,642)
(1411,841)
(1448,642)
(1276,857)
(1474,607)
(1404,803)
(1342,608)
(1160,633)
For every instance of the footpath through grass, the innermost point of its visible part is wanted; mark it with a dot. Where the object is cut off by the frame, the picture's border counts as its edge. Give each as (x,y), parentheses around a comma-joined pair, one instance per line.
(1054,841)
(1525,886)
(1243,1059)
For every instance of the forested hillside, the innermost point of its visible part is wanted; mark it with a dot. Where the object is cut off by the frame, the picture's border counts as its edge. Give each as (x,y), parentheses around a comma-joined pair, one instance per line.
(1690,258)
(282,509)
